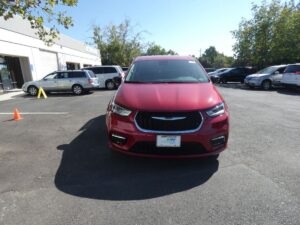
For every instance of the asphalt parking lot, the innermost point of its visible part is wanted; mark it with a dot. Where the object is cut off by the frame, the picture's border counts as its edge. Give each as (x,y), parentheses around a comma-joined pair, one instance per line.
(56,169)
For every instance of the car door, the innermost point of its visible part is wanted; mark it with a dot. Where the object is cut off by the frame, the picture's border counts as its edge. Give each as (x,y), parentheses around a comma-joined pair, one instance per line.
(234,75)
(292,75)
(49,82)
(109,73)
(277,75)
(63,81)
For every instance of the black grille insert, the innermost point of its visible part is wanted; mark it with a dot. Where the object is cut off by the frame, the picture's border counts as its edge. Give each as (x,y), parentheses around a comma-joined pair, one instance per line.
(149,148)
(168,121)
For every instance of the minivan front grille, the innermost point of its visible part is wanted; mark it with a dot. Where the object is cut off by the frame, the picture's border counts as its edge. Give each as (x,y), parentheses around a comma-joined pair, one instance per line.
(169,122)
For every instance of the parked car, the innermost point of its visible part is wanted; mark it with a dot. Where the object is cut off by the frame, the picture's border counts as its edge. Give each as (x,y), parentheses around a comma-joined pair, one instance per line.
(209,70)
(77,81)
(214,74)
(291,76)
(124,69)
(218,71)
(167,107)
(266,78)
(106,74)
(233,75)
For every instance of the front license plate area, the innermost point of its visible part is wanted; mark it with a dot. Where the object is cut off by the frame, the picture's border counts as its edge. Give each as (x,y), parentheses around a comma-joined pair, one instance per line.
(173,141)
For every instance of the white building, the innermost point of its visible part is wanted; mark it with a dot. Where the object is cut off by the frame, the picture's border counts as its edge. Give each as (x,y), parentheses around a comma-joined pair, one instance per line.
(23,57)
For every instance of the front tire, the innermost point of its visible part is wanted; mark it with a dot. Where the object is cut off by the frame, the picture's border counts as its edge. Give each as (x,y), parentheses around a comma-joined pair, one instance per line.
(223,81)
(266,85)
(77,89)
(32,90)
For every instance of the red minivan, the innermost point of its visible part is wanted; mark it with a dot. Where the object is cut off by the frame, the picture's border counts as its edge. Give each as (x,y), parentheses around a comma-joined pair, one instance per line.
(167,107)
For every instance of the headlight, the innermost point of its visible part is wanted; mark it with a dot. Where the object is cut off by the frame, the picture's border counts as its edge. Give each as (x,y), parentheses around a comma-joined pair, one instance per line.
(120,110)
(216,111)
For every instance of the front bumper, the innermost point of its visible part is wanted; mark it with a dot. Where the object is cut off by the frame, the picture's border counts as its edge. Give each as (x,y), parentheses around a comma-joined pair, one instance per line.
(138,143)
(252,83)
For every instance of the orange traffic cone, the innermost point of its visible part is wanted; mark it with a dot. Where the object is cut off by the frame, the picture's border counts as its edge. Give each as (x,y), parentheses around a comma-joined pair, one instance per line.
(17,115)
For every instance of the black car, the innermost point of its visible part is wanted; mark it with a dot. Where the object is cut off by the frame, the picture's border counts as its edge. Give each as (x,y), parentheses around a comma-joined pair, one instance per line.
(232,75)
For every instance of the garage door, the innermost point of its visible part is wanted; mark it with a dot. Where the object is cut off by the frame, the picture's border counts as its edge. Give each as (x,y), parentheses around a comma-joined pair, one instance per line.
(48,62)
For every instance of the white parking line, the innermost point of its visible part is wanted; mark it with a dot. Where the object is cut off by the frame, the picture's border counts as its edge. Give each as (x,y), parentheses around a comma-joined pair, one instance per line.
(35,113)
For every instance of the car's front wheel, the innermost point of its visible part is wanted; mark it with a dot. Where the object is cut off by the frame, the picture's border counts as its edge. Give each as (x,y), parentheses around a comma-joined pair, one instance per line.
(266,85)
(77,89)
(223,81)
(32,90)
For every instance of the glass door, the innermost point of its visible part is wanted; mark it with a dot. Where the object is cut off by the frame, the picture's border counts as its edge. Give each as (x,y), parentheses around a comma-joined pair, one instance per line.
(5,77)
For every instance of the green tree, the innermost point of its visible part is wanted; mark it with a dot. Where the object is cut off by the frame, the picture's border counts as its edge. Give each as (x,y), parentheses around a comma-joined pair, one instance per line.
(155,49)
(270,37)
(212,58)
(118,44)
(37,12)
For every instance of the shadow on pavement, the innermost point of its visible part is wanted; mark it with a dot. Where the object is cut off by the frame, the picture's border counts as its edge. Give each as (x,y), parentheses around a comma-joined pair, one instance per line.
(89,169)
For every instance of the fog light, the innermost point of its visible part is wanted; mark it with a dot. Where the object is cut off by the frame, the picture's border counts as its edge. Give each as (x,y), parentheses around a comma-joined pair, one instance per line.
(117,139)
(217,141)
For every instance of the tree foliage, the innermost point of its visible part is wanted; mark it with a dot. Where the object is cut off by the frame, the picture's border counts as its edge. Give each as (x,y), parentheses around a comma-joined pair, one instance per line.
(212,58)
(37,12)
(155,49)
(271,36)
(118,44)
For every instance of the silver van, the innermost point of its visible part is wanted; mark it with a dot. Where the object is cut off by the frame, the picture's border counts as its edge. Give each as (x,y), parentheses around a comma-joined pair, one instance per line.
(106,75)
(266,78)
(77,81)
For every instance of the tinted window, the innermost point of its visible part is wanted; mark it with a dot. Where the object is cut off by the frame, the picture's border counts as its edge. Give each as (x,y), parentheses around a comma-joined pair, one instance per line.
(96,70)
(109,70)
(292,69)
(280,70)
(78,74)
(160,71)
(237,71)
(63,75)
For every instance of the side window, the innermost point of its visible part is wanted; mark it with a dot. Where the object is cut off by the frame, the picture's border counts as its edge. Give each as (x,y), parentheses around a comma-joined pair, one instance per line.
(109,70)
(96,70)
(63,75)
(50,76)
(236,71)
(280,70)
(79,74)
(293,69)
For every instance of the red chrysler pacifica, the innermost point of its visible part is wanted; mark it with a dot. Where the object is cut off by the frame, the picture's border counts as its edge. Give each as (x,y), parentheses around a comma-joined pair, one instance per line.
(167,107)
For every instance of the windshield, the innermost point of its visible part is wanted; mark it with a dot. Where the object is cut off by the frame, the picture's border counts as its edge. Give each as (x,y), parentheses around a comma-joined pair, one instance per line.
(267,70)
(166,71)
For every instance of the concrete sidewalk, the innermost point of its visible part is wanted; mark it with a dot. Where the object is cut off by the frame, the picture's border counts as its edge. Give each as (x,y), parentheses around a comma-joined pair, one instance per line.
(7,95)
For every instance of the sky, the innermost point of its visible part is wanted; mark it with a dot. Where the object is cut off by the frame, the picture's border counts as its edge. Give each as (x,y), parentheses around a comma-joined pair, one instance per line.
(185,26)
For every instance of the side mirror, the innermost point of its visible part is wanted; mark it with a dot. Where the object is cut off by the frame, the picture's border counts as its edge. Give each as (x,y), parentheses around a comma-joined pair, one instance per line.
(276,72)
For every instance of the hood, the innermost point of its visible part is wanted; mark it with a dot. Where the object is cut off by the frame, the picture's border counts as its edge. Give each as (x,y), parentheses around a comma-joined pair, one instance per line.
(258,75)
(168,97)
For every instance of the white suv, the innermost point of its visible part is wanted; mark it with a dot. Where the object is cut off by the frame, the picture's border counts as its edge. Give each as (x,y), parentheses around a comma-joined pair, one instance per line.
(291,76)
(106,74)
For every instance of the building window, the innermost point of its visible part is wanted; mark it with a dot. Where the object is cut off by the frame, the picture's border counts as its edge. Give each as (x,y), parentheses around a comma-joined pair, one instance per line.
(73,66)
